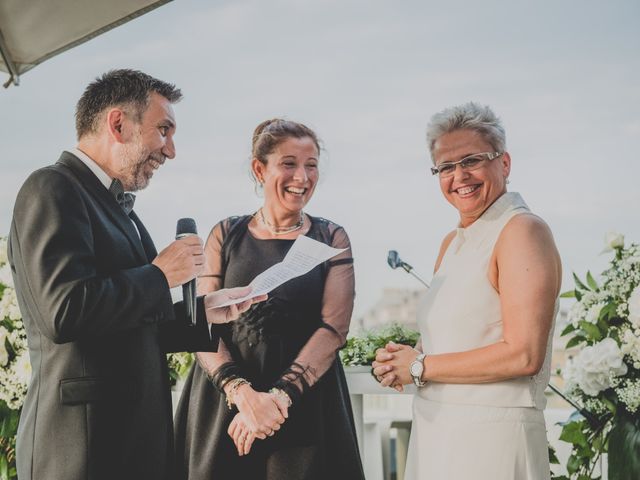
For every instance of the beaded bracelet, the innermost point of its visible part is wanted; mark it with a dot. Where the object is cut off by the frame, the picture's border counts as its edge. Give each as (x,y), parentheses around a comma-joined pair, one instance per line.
(291,390)
(282,394)
(233,387)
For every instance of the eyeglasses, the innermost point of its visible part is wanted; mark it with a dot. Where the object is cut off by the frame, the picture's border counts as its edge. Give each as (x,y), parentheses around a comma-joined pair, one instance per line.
(467,164)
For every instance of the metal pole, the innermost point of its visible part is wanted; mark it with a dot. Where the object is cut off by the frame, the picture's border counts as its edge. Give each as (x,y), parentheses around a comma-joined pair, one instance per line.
(409,269)
(13,71)
(419,279)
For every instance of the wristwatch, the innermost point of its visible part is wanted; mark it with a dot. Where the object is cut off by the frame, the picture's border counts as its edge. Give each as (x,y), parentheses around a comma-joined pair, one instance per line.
(416,368)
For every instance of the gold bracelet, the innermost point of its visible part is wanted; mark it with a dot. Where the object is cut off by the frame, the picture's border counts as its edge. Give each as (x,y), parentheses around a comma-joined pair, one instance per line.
(233,387)
(281,393)
(224,382)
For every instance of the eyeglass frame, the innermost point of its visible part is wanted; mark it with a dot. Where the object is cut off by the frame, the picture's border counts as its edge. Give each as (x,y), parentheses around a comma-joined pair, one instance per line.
(488,157)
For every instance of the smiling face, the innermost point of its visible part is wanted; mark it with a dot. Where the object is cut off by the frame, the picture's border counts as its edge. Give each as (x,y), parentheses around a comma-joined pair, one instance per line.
(471,192)
(148,143)
(289,177)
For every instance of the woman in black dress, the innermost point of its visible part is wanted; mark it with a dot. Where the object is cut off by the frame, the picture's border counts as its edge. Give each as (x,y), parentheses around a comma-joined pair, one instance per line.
(273,403)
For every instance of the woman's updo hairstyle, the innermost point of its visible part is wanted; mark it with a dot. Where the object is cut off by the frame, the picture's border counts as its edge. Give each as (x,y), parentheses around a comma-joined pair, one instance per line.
(271,133)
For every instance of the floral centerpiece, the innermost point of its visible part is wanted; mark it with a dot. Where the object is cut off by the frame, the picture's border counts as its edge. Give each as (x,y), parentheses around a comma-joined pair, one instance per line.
(361,350)
(603,376)
(15,368)
(358,351)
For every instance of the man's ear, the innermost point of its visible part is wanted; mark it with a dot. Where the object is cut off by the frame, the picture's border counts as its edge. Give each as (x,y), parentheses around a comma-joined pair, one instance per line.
(115,120)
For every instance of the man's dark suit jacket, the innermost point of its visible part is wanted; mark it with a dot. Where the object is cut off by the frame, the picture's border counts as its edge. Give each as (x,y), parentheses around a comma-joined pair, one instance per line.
(99,319)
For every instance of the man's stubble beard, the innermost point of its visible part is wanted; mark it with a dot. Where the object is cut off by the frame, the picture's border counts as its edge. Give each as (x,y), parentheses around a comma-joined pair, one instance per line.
(134,158)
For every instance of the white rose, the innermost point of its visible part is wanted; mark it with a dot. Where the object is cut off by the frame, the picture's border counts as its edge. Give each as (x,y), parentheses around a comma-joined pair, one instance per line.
(634,307)
(5,276)
(597,364)
(613,240)
(22,367)
(593,313)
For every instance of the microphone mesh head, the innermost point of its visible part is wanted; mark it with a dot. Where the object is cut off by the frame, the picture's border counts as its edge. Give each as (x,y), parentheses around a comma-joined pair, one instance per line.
(186,225)
(393,259)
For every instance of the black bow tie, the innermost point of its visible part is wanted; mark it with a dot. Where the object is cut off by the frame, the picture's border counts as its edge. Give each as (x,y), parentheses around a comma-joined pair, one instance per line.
(125,199)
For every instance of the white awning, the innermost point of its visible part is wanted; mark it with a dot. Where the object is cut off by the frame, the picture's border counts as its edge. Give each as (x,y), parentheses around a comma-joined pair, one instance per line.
(32,31)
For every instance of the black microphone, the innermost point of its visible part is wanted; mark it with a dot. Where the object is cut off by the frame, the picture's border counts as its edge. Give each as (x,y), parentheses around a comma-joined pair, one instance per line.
(394,261)
(186,227)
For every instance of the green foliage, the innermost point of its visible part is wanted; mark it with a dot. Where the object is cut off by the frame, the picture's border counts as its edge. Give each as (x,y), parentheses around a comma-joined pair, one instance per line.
(624,449)
(8,429)
(179,365)
(553,458)
(361,350)
(579,284)
(576,340)
(589,442)
(592,331)
(591,282)
(573,432)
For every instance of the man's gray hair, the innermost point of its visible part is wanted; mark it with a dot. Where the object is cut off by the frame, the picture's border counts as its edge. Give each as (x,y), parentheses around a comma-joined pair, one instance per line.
(468,116)
(124,88)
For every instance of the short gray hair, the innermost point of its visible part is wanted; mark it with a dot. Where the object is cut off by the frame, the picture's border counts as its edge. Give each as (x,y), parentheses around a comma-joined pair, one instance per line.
(468,116)
(122,87)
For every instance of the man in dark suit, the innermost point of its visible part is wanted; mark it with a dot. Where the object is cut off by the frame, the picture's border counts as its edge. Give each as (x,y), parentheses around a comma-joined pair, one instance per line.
(94,294)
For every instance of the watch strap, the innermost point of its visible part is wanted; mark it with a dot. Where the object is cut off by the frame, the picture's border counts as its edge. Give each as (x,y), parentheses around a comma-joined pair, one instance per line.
(417,380)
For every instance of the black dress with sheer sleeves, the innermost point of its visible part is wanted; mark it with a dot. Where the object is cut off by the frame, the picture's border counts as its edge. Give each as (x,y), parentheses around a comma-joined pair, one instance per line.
(290,341)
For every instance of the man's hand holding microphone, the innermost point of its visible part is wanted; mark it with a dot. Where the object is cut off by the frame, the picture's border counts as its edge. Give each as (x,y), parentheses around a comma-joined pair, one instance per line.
(183,260)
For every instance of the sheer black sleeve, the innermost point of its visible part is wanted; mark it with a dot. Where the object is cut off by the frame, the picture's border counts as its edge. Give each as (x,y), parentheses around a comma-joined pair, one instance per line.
(219,365)
(319,353)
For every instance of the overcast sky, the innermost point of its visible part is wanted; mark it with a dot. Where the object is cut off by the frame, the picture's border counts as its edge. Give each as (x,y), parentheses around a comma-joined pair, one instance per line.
(367,75)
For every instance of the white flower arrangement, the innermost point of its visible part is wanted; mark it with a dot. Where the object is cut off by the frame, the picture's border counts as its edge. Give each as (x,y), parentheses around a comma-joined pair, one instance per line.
(15,369)
(604,374)
(14,357)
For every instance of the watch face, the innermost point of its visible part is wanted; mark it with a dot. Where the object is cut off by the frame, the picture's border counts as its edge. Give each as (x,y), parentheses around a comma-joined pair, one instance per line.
(415,369)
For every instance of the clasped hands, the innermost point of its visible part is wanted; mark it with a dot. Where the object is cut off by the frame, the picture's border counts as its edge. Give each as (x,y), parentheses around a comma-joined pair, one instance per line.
(391,366)
(260,414)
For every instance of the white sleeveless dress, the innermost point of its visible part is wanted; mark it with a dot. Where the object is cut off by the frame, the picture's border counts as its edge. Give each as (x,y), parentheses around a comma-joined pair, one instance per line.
(489,431)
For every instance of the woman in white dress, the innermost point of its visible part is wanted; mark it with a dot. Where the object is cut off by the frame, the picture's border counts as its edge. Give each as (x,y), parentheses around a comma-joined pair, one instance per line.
(486,323)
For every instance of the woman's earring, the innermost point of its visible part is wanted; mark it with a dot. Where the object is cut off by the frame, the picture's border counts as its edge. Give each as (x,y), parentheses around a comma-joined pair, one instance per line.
(506,180)
(258,187)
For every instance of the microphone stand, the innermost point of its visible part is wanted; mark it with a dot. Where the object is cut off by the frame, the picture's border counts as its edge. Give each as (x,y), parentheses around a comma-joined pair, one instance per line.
(409,269)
